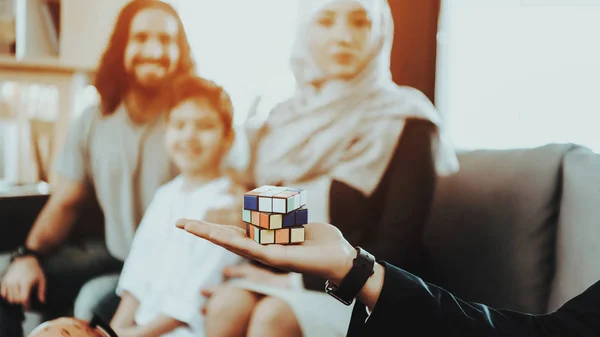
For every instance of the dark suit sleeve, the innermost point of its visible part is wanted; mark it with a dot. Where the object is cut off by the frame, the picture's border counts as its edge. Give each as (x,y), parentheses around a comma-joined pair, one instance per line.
(407,303)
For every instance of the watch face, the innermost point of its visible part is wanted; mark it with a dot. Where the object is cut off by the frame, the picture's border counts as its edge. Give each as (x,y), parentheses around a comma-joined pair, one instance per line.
(331,289)
(19,252)
(346,302)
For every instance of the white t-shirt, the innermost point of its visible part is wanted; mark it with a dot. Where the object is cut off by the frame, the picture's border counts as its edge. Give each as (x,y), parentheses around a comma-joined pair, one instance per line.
(123,163)
(167,267)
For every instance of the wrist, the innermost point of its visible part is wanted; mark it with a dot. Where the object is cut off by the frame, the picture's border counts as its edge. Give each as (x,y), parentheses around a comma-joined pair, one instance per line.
(39,245)
(346,287)
(23,252)
(344,268)
(369,294)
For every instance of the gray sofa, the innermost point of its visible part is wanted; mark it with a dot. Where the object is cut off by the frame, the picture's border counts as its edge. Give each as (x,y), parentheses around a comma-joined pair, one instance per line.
(518,229)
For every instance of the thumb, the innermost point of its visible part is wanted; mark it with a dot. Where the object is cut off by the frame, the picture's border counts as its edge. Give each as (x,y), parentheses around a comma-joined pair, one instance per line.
(42,289)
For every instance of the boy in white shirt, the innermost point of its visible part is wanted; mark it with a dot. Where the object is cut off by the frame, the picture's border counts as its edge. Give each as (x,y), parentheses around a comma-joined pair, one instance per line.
(166,269)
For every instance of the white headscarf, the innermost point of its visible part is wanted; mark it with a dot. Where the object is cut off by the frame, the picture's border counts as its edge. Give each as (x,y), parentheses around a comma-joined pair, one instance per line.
(347,130)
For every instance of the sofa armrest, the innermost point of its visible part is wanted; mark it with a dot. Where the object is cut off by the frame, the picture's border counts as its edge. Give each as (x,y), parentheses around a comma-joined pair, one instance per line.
(577,246)
(492,230)
(18,214)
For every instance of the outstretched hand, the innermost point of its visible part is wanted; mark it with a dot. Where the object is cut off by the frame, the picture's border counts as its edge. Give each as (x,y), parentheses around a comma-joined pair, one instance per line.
(324,252)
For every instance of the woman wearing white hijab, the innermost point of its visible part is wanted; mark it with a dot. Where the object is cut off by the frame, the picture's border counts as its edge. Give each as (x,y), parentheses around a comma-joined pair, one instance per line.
(341,128)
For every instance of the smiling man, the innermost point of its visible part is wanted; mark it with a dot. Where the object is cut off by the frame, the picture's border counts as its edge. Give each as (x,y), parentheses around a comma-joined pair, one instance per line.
(114,150)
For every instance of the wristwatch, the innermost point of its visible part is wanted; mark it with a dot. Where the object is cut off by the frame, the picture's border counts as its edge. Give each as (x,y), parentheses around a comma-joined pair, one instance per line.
(350,286)
(23,251)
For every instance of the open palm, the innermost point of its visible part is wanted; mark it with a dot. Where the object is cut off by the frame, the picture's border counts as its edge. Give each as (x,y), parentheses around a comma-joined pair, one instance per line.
(324,252)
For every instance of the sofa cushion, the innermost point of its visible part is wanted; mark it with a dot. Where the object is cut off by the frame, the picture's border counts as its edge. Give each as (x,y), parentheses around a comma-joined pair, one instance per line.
(579,227)
(493,226)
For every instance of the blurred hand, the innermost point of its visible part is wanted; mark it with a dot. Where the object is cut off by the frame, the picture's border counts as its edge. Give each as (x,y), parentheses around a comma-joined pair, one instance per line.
(256,274)
(21,277)
(208,293)
(132,331)
(324,253)
(232,214)
(253,111)
(251,273)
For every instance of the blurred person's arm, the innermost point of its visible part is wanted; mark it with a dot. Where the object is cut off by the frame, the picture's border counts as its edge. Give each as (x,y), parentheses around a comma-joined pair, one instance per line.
(56,219)
(124,324)
(139,267)
(68,192)
(125,314)
(160,326)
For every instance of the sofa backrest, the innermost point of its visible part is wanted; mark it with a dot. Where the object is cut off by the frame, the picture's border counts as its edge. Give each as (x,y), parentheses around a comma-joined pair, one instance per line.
(578,242)
(493,227)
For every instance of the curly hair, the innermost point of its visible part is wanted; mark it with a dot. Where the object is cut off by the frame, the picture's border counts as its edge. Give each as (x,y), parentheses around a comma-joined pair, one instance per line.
(111,79)
(190,87)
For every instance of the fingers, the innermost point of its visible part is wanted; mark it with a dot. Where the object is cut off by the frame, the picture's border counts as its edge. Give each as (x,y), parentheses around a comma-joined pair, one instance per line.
(10,293)
(14,294)
(229,237)
(234,239)
(3,289)
(24,292)
(182,222)
(42,289)
(204,229)
(208,292)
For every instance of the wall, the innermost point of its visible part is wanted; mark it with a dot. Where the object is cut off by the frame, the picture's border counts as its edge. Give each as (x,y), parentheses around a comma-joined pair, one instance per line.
(504,86)
(415,43)
(86,28)
(32,31)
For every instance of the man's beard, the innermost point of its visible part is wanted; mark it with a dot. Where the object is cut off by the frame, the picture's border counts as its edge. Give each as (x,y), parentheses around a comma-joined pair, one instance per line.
(149,91)
(153,90)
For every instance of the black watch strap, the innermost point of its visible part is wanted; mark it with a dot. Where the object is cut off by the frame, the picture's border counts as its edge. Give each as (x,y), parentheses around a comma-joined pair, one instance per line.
(362,268)
(23,251)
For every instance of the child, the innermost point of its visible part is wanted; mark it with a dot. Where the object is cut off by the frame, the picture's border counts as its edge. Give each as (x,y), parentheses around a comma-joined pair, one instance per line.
(161,282)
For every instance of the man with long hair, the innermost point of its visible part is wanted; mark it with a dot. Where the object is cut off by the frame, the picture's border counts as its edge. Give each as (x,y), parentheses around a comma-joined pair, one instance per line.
(114,151)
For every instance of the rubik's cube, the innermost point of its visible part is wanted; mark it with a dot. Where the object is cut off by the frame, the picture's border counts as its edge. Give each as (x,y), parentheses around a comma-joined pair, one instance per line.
(275,214)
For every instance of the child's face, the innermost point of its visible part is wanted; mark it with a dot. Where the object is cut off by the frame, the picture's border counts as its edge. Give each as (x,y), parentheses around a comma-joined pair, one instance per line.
(195,137)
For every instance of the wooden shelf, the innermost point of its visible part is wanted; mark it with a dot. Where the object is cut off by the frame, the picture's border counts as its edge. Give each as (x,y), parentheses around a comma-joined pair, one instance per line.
(46,64)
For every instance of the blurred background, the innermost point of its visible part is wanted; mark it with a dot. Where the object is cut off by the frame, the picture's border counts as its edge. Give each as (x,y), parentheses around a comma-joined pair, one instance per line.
(496,69)
(504,74)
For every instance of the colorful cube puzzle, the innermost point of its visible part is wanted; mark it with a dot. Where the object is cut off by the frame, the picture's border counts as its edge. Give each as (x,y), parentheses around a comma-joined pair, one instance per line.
(281,236)
(275,214)
(273,199)
(274,220)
